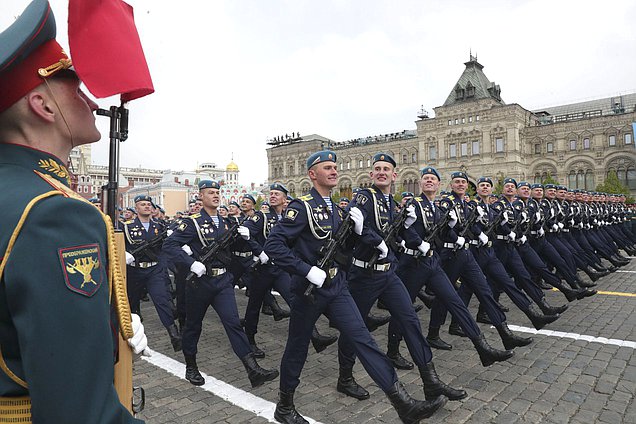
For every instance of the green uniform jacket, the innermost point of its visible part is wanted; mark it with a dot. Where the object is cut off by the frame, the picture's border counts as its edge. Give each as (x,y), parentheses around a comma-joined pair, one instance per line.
(57,338)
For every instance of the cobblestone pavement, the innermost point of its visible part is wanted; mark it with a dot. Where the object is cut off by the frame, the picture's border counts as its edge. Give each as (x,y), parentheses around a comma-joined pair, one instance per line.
(554,380)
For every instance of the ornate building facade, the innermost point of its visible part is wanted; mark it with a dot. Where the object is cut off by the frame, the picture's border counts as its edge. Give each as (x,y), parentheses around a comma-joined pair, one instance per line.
(475,131)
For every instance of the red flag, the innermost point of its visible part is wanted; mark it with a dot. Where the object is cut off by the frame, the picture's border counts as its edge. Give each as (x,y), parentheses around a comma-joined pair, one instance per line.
(106,50)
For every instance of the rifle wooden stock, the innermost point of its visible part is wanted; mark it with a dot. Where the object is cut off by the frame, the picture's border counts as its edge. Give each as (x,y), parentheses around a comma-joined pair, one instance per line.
(123,366)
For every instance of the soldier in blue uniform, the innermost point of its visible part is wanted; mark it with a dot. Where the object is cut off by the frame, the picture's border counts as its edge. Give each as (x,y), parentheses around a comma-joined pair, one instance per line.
(294,244)
(147,271)
(212,286)
(58,341)
(420,265)
(370,282)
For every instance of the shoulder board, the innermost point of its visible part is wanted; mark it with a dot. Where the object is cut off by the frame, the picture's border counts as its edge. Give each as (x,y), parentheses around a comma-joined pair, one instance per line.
(129,222)
(306,197)
(195,216)
(451,197)
(372,190)
(418,199)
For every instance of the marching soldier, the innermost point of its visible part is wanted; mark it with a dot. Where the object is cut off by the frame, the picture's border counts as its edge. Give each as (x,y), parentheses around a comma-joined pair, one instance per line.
(294,244)
(212,286)
(58,343)
(147,271)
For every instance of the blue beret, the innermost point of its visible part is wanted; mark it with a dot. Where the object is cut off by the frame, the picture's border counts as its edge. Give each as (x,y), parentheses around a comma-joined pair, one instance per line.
(494,196)
(562,187)
(549,186)
(95,200)
(407,194)
(576,191)
(384,157)
(131,210)
(143,198)
(485,180)
(290,198)
(430,170)
(279,187)
(322,156)
(162,210)
(355,190)
(510,180)
(223,207)
(459,174)
(344,199)
(536,185)
(265,203)
(445,193)
(209,184)
(234,203)
(523,184)
(249,197)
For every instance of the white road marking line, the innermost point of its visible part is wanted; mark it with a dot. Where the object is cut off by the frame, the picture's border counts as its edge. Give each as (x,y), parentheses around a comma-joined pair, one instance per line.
(620,270)
(244,400)
(592,339)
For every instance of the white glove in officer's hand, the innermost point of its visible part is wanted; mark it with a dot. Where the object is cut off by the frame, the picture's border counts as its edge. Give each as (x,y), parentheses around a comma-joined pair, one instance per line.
(130,259)
(358,220)
(198,268)
(138,342)
(411,217)
(316,276)
(403,244)
(263,258)
(169,233)
(244,232)
(504,220)
(571,222)
(384,250)
(480,211)
(523,239)
(483,239)
(555,227)
(541,231)
(453,219)
(538,216)
(424,247)
(560,224)
(461,241)
(187,249)
(512,236)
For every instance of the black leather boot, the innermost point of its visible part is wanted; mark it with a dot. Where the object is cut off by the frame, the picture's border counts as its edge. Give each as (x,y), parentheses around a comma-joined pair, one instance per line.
(255,372)
(258,353)
(426,298)
(583,291)
(286,411)
(482,316)
(321,342)
(538,319)
(592,273)
(409,410)
(616,261)
(569,293)
(433,386)
(278,312)
(175,337)
(511,340)
(489,355)
(393,353)
(380,304)
(348,385)
(192,371)
(550,310)
(455,329)
(376,321)
(266,310)
(434,340)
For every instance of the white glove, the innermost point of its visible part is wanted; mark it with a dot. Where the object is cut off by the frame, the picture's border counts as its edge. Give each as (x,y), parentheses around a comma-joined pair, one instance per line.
(130,259)
(541,231)
(424,247)
(316,276)
(138,342)
(358,220)
(538,216)
(595,221)
(403,244)
(588,226)
(571,222)
(187,249)
(512,236)
(169,233)
(461,241)
(453,219)
(483,239)
(244,232)
(384,250)
(555,227)
(504,220)
(523,239)
(263,258)
(198,268)
(481,211)
(411,217)
(560,224)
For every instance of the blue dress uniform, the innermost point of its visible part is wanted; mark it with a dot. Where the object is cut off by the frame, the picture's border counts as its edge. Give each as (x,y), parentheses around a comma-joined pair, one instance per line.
(59,329)
(214,288)
(294,245)
(149,272)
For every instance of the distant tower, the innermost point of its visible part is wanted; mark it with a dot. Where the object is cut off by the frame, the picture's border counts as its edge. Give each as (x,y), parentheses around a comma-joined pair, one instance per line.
(231,172)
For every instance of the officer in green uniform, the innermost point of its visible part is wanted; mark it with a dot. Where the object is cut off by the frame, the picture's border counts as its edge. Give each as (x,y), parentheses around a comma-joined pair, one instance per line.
(57,259)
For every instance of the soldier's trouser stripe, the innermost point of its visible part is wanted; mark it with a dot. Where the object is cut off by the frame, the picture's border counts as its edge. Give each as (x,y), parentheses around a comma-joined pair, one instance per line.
(244,400)
(591,339)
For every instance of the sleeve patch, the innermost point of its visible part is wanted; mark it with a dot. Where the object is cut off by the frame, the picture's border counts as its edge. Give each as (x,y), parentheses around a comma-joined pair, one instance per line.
(182,226)
(291,214)
(82,268)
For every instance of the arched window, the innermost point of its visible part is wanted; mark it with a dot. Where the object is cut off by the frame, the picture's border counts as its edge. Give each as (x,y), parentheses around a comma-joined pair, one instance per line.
(589,180)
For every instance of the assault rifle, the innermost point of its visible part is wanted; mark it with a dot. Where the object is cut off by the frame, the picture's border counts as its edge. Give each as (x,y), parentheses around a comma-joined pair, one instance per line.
(495,223)
(330,251)
(218,248)
(391,233)
(434,234)
(150,244)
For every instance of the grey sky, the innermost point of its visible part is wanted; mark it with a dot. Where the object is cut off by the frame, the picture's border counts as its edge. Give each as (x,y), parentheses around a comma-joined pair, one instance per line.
(229,74)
